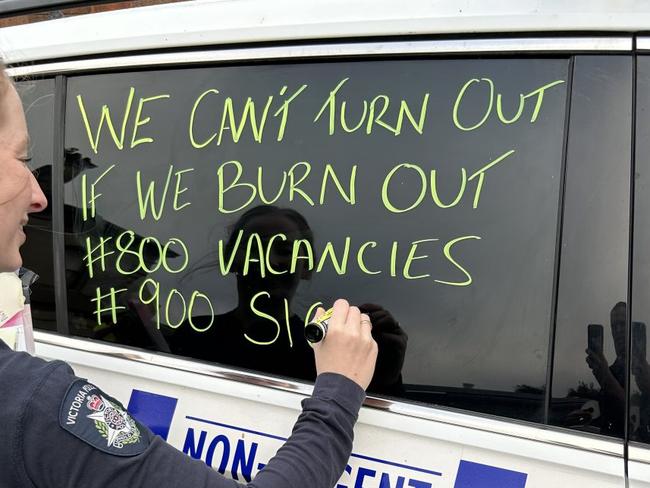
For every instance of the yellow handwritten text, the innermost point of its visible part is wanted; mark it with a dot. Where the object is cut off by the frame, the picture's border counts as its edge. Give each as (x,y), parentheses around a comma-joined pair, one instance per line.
(489,98)
(255,307)
(150,293)
(105,118)
(245,193)
(252,116)
(420,189)
(148,199)
(372,114)
(149,254)
(254,251)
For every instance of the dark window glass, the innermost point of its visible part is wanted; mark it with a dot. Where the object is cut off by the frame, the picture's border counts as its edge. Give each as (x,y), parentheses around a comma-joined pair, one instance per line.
(425,191)
(589,366)
(640,375)
(38,101)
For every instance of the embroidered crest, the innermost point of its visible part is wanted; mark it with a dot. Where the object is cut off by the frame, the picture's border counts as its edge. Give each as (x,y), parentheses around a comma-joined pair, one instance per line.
(113,423)
(101,421)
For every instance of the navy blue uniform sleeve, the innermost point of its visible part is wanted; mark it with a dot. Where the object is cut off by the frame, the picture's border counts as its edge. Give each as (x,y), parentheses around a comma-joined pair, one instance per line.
(314,456)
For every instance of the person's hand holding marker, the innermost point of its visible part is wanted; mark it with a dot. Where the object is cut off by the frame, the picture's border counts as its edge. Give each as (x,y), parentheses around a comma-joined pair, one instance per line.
(348,347)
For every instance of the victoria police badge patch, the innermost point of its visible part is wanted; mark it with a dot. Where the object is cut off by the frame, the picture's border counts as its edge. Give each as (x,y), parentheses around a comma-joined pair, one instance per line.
(101,421)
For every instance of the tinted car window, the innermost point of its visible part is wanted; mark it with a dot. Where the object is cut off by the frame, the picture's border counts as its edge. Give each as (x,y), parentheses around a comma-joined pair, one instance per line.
(38,102)
(210,209)
(589,366)
(640,371)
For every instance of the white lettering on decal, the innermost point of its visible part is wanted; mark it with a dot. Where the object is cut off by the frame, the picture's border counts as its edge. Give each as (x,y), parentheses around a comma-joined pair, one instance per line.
(79,398)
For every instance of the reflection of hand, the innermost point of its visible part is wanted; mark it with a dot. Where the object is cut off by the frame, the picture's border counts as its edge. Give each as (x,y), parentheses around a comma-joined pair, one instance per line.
(607,381)
(583,416)
(598,364)
(348,348)
(391,340)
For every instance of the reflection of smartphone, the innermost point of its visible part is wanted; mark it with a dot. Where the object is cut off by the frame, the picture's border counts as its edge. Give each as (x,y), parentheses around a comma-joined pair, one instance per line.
(595,337)
(638,341)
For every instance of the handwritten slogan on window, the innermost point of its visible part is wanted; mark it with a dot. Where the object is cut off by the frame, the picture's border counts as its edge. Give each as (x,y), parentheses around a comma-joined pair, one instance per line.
(400,162)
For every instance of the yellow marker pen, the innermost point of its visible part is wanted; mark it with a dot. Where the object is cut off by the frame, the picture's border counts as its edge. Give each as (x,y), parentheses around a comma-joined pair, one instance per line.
(316,330)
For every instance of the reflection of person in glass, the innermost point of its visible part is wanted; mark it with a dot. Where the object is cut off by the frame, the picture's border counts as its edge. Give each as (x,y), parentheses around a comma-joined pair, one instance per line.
(641,374)
(262,332)
(611,378)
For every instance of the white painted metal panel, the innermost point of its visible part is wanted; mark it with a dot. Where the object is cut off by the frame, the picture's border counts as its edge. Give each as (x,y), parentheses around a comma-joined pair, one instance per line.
(253,420)
(218,22)
(639,466)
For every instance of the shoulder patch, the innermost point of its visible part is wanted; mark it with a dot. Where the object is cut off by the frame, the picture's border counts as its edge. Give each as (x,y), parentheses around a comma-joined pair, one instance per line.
(101,421)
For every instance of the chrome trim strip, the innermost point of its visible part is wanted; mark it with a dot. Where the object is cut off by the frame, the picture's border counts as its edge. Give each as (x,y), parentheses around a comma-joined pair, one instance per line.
(166,361)
(520,45)
(639,452)
(485,423)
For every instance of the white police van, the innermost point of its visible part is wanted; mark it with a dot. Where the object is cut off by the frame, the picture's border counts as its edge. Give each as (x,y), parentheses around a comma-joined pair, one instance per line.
(474,174)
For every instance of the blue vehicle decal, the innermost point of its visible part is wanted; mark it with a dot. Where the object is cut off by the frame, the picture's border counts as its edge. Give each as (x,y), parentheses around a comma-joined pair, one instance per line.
(153,410)
(157,411)
(475,475)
